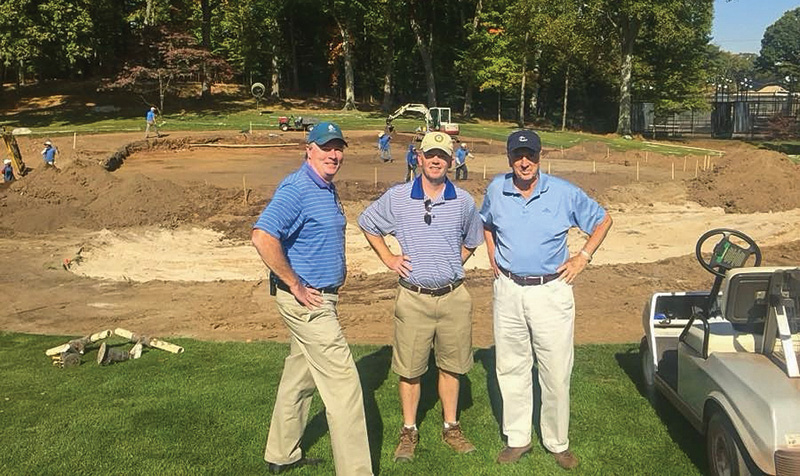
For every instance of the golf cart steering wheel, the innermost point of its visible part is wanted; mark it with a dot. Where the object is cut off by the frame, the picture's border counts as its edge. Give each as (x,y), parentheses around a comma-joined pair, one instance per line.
(726,255)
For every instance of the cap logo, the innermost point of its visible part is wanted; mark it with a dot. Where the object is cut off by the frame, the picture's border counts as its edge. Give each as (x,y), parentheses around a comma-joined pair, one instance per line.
(523,139)
(331,128)
(438,138)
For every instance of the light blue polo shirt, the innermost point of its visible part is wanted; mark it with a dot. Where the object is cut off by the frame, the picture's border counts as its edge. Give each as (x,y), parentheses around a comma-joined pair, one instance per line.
(305,214)
(531,234)
(435,249)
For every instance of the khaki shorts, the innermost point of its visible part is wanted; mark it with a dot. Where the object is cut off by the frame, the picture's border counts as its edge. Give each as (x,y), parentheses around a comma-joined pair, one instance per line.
(423,322)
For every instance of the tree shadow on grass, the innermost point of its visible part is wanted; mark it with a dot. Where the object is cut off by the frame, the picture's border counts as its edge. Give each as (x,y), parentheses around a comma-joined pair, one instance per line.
(680,430)
(372,370)
(488,359)
(429,392)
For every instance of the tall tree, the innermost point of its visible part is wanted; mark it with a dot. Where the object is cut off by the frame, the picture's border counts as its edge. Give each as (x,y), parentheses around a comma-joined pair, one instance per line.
(424,40)
(780,47)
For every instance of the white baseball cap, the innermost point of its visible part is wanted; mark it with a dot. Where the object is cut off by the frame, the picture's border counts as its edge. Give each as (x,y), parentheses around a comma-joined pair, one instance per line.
(6,161)
(47,142)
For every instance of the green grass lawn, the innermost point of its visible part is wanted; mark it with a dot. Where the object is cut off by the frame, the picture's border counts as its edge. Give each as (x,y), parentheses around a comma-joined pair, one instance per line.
(206,412)
(52,123)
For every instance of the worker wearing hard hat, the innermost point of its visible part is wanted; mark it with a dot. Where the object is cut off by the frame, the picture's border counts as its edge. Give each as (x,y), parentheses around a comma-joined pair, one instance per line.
(8,171)
(461,161)
(49,154)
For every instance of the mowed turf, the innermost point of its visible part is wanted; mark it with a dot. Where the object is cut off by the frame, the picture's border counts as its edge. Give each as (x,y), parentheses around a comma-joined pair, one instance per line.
(206,411)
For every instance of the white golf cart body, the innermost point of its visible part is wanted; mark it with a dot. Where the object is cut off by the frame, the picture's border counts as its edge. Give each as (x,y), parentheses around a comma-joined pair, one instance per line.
(744,363)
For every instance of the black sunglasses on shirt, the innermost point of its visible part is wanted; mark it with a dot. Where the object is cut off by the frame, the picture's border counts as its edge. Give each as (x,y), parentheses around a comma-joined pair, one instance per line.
(428,206)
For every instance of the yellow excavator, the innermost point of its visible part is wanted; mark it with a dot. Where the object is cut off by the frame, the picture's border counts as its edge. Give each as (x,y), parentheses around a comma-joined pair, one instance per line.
(20,169)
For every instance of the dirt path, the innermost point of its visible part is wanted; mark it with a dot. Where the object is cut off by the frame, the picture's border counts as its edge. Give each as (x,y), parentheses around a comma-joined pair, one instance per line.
(160,245)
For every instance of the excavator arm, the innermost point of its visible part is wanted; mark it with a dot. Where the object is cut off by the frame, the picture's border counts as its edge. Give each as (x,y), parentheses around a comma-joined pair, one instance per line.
(412,107)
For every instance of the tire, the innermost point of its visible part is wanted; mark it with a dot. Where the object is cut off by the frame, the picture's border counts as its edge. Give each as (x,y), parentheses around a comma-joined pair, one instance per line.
(648,368)
(284,127)
(724,449)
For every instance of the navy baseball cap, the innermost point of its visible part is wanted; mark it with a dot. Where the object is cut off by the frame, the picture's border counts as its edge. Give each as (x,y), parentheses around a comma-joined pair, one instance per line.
(325,132)
(524,139)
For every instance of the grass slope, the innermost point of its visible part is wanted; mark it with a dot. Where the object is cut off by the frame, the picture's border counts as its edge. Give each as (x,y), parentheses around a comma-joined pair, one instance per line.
(206,412)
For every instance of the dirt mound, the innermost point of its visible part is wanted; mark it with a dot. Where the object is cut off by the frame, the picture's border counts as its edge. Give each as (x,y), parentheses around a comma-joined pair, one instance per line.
(748,181)
(85,195)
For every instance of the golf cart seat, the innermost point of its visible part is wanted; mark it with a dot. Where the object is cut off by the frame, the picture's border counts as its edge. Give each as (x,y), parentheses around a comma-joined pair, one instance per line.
(742,304)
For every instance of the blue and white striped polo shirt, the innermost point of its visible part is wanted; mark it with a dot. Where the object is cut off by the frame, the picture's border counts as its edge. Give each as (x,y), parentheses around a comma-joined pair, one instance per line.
(530,234)
(305,214)
(435,249)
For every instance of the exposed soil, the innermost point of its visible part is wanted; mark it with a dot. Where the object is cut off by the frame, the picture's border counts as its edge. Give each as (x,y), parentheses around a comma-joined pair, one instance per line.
(160,245)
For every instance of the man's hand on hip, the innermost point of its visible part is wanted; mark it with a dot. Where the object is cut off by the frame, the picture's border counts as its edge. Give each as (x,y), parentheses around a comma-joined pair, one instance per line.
(572,268)
(400,264)
(308,297)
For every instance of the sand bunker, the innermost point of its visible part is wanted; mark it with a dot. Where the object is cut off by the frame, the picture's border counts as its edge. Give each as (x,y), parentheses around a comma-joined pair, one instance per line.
(196,254)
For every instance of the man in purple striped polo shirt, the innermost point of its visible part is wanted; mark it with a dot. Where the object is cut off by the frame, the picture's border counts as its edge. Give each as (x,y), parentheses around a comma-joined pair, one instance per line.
(300,237)
(438,227)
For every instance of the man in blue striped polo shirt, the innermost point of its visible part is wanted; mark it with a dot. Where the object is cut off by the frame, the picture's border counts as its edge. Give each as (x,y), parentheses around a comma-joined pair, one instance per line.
(526,216)
(300,237)
(438,227)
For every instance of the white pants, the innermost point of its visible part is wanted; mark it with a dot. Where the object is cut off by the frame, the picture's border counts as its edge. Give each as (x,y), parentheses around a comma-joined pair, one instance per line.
(540,321)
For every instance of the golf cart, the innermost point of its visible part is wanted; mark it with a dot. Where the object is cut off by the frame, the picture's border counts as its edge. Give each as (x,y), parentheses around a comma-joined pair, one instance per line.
(298,123)
(728,358)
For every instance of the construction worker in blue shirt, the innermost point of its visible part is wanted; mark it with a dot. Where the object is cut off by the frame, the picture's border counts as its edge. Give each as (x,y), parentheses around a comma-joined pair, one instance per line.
(150,118)
(461,162)
(384,140)
(49,153)
(411,162)
(8,171)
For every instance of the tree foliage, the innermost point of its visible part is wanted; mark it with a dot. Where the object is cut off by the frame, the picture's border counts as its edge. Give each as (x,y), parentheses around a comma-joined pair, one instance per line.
(580,62)
(780,48)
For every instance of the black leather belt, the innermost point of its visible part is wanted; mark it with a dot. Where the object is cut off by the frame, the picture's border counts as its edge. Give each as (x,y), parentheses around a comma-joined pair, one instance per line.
(432,292)
(275,281)
(528,280)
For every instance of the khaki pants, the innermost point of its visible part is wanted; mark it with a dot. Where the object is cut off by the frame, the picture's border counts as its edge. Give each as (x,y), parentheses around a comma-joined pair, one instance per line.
(147,129)
(536,320)
(320,358)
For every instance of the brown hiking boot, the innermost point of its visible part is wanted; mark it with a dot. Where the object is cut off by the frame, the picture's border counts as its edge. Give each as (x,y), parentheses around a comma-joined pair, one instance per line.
(511,454)
(408,442)
(454,437)
(566,459)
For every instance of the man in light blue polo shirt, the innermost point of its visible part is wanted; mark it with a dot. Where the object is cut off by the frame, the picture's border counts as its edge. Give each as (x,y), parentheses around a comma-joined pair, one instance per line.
(438,227)
(300,236)
(526,216)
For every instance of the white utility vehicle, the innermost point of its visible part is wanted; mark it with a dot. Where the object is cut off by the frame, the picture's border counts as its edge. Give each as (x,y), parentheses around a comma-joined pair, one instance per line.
(728,358)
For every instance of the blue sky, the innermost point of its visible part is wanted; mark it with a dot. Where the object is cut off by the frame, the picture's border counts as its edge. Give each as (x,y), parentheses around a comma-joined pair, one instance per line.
(739,24)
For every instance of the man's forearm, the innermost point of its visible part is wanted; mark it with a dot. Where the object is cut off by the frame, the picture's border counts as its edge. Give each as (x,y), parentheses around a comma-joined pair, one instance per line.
(271,252)
(598,235)
(378,244)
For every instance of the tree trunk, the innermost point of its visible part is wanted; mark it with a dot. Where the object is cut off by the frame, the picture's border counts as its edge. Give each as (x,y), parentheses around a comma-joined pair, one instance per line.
(387,79)
(293,43)
(347,48)
(205,7)
(566,97)
(148,13)
(630,29)
(276,75)
(467,112)
(471,79)
(499,105)
(521,118)
(427,60)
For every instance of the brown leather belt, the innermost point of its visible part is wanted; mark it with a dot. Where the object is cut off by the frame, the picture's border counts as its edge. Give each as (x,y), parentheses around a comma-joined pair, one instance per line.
(432,292)
(528,280)
(275,281)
